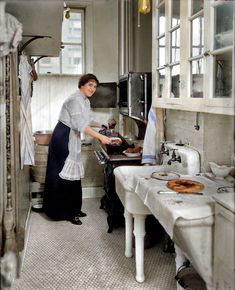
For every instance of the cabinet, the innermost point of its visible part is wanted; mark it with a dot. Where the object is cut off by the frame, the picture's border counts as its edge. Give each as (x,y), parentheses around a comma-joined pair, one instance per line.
(224,267)
(193,55)
(39,18)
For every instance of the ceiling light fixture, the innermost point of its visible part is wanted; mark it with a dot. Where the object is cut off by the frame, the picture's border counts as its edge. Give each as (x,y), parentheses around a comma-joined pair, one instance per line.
(66,11)
(144,6)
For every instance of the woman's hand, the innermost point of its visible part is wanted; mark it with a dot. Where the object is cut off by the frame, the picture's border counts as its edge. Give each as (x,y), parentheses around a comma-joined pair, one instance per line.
(102,138)
(105,139)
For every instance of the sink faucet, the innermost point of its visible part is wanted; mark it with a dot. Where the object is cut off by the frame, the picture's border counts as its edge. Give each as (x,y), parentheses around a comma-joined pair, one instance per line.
(163,150)
(174,158)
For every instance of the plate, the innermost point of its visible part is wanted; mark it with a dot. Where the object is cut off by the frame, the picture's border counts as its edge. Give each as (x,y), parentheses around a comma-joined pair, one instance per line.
(163,175)
(185,185)
(132,154)
(115,141)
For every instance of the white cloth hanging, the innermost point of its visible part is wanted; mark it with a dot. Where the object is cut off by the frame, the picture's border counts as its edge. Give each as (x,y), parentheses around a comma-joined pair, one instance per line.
(149,155)
(3,29)
(26,134)
(11,32)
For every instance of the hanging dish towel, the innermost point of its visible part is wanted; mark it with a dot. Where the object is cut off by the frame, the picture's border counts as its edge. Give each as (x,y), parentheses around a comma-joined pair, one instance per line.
(26,134)
(149,155)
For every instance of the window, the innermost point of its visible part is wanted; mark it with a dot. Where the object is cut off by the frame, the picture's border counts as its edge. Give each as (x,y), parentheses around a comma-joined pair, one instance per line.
(71,59)
(174,61)
(161,47)
(196,59)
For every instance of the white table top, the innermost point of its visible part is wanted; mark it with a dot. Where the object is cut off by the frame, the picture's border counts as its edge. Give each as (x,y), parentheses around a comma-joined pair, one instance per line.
(168,207)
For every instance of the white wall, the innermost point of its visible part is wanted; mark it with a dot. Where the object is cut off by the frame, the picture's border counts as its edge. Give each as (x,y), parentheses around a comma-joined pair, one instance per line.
(214,141)
(105,37)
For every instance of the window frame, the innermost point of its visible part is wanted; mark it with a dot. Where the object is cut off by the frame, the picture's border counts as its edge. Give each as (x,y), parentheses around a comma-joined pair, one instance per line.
(79,44)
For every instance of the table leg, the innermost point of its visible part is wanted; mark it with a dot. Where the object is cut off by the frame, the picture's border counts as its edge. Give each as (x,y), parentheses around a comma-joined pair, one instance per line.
(139,232)
(179,261)
(128,233)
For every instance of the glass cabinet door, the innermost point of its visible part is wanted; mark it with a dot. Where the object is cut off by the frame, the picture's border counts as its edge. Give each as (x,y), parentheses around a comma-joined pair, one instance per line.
(196,60)
(168,48)
(161,48)
(223,23)
(174,36)
(223,75)
(222,50)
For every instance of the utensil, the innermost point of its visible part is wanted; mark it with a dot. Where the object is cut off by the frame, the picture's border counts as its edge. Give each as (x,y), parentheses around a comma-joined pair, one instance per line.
(166,192)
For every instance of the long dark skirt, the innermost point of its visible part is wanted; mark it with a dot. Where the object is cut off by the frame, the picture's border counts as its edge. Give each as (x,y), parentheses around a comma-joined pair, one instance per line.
(62,198)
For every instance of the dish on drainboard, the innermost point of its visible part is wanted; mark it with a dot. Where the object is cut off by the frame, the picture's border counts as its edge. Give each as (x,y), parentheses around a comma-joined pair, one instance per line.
(163,175)
(182,185)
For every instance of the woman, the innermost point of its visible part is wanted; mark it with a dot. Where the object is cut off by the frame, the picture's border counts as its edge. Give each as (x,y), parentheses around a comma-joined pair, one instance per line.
(63,191)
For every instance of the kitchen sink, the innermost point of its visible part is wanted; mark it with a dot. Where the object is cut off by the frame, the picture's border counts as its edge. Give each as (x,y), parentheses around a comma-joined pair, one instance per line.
(185,161)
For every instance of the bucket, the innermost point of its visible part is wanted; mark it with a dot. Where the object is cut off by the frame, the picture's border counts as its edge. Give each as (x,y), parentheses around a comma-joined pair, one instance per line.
(39,169)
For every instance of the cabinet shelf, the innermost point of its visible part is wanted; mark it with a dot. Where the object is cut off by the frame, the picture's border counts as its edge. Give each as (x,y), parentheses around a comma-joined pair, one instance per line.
(222,50)
(219,3)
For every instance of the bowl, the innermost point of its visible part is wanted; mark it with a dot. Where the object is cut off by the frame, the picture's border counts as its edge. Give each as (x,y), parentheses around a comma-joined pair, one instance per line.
(220,170)
(43,137)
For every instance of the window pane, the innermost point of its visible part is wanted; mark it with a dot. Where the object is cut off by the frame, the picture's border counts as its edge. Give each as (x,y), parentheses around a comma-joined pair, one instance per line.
(197,78)
(161,20)
(72,59)
(49,65)
(224,24)
(175,45)
(197,36)
(175,81)
(197,5)
(175,13)
(161,52)
(72,28)
(161,79)
(223,75)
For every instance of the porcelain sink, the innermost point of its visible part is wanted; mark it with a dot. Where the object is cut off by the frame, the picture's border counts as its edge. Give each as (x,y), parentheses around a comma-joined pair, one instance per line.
(125,187)
(135,210)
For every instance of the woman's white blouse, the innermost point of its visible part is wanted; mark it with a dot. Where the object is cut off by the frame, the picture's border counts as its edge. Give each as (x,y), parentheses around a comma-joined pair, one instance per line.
(75,114)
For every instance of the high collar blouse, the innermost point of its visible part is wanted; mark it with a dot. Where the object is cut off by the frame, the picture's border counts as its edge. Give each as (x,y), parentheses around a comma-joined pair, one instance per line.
(75,114)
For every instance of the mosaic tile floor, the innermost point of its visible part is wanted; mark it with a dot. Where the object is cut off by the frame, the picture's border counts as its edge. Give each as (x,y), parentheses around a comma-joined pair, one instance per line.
(64,256)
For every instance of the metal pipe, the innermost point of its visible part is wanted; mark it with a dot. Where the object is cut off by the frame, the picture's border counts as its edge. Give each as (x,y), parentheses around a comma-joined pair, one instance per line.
(121,8)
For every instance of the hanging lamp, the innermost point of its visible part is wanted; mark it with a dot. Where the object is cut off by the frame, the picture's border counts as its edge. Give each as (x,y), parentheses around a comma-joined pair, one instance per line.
(67,14)
(144,6)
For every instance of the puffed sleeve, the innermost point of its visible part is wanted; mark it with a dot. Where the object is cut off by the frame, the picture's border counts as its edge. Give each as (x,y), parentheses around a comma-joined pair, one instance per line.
(79,112)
